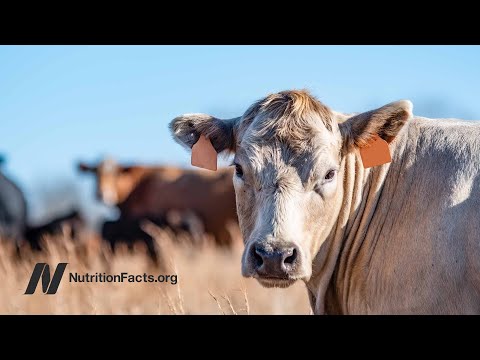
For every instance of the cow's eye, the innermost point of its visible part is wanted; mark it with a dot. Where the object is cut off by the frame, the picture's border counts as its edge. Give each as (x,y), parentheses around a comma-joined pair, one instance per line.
(238,170)
(330,175)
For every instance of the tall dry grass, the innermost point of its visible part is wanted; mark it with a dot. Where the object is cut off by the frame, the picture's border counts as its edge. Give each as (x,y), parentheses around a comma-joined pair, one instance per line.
(209,281)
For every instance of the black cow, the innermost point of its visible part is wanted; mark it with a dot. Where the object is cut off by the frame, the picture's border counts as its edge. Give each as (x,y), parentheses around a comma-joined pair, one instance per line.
(13,209)
(129,230)
(71,222)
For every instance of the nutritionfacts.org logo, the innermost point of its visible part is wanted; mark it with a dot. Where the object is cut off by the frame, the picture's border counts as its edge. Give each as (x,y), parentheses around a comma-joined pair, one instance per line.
(50,284)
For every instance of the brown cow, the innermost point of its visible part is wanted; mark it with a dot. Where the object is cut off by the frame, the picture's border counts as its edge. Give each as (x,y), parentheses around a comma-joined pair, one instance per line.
(151,191)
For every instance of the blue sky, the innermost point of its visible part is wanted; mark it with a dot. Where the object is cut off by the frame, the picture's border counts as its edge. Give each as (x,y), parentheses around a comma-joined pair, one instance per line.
(59,104)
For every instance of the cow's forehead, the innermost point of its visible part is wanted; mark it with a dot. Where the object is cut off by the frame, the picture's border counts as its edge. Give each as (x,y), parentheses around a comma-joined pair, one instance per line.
(269,156)
(108,166)
(288,130)
(266,129)
(290,114)
(273,144)
(292,119)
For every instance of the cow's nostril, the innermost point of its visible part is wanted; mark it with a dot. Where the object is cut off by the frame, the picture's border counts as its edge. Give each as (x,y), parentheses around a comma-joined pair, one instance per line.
(258,258)
(291,258)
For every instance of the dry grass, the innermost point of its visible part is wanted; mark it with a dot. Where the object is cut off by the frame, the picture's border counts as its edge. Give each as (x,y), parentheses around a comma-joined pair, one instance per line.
(209,281)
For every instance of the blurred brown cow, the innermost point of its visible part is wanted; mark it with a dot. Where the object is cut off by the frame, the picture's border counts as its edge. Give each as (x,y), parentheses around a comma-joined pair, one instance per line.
(151,191)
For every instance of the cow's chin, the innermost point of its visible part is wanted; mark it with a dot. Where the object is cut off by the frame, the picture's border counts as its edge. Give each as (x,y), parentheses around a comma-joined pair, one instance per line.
(275,283)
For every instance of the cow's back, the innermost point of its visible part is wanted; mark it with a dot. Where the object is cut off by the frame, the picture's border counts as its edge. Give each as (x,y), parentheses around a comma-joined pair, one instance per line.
(208,194)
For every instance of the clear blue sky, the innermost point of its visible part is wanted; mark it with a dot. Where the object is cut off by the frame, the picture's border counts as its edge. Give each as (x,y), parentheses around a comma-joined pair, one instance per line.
(59,104)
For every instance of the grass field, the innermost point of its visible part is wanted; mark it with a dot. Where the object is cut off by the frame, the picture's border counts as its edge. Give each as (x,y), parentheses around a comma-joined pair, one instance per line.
(208,281)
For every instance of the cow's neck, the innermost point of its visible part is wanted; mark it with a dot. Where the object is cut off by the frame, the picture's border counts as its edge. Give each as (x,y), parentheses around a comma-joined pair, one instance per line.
(138,174)
(332,280)
(125,185)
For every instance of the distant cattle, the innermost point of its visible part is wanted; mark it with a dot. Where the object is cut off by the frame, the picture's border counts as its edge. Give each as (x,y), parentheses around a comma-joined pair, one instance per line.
(13,209)
(69,225)
(151,192)
(128,231)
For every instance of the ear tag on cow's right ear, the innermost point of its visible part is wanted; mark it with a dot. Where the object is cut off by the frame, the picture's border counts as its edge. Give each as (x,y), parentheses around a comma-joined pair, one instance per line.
(204,154)
(375,153)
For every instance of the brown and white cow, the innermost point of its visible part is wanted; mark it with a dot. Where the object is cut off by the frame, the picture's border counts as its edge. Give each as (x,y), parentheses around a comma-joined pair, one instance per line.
(155,191)
(399,238)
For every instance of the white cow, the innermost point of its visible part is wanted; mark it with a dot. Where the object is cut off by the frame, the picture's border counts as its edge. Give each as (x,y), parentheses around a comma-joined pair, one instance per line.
(399,238)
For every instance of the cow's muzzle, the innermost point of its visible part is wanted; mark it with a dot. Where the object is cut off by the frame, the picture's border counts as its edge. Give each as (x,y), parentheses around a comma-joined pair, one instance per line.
(273,265)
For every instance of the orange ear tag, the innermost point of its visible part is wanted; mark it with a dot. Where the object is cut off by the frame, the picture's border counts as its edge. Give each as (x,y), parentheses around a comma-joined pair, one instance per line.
(204,154)
(375,153)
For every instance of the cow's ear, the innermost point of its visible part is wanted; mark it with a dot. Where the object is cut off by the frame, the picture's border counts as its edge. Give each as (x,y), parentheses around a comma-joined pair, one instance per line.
(385,122)
(86,168)
(186,130)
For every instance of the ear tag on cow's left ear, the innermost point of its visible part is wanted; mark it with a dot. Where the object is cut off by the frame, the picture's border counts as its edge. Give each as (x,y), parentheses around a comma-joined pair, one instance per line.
(375,153)
(204,154)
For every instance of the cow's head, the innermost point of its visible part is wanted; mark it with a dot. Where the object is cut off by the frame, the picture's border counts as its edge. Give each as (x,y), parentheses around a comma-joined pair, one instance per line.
(114,182)
(288,180)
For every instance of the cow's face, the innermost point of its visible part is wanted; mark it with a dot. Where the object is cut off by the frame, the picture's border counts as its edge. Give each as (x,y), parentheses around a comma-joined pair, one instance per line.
(288,180)
(113,182)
